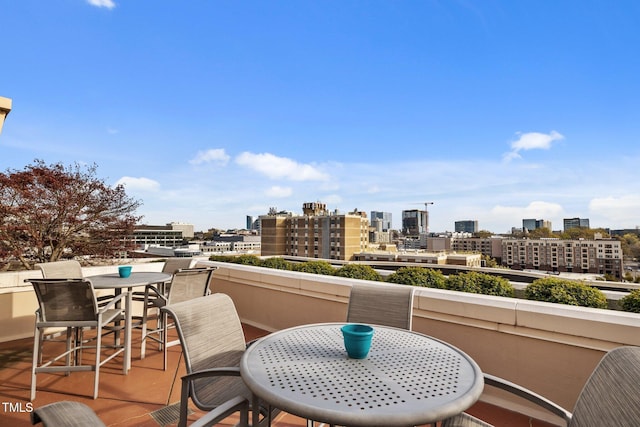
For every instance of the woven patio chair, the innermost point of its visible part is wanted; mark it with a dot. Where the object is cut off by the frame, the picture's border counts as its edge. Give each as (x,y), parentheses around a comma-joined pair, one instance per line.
(170,266)
(186,284)
(388,305)
(68,269)
(213,343)
(72,304)
(609,397)
(66,414)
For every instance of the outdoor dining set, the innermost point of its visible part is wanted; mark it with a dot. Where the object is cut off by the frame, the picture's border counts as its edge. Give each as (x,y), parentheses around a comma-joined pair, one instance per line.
(389,375)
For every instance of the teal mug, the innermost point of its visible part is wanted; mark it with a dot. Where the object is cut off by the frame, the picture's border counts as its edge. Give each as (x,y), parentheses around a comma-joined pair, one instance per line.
(124,270)
(357,340)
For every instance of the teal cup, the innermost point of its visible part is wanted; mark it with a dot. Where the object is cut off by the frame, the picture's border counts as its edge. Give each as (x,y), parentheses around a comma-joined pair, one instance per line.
(124,270)
(357,340)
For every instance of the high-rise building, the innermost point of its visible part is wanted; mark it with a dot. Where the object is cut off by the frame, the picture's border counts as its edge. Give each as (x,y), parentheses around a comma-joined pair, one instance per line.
(415,222)
(466,226)
(187,229)
(157,235)
(599,256)
(317,233)
(383,217)
(530,224)
(570,223)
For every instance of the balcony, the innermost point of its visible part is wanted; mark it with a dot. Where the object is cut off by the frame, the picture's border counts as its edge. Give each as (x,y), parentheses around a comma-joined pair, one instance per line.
(549,348)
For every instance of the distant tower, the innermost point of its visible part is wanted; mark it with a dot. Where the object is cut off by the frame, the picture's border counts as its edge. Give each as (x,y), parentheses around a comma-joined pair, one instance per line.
(384,218)
(530,224)
(570,223)
(415,222)
(467,226)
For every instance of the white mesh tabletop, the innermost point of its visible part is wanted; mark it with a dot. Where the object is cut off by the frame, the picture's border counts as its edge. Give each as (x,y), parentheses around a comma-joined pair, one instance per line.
(407,378)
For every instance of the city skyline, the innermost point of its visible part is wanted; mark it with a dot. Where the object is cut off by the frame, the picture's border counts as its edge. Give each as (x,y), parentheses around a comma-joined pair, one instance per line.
(209,112)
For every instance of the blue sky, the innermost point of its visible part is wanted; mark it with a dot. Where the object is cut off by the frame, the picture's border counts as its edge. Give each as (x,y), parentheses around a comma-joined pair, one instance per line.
(208,111)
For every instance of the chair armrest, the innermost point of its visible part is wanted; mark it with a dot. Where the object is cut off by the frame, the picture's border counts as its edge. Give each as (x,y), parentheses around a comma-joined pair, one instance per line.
(527,394)
(213,372)
(184,393)
(154,293)
(223,411)
(112,302)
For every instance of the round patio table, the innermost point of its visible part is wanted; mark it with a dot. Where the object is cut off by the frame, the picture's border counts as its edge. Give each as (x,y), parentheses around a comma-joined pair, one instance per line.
(126,284)
(407,379)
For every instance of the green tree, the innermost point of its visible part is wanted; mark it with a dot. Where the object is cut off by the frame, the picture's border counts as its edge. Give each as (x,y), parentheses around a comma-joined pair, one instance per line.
(563,291)
(630,244)
(47,211)
(480,283)
(582,233)
(358,271)
(489,262)
(483,234)
(540,233)
(315,267)
(418,276)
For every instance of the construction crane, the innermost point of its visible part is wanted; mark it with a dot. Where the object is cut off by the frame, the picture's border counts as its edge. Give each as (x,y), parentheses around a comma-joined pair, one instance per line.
(426,205)
(426,209)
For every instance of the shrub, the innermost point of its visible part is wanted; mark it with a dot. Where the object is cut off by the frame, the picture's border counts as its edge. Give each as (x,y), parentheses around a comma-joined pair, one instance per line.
(247,260)
(277,263)
(562,291)
(418,276)
(222,258)
(358,271)
(480,283)
(631,302)
(315,267)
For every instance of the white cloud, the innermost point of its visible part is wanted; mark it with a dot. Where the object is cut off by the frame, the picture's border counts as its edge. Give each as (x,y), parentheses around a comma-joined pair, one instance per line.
(531,141)
(215,155)
(537,210)
(617,209)
(143,184)
(280,167)
(279,192)
(109,4)
(513,215)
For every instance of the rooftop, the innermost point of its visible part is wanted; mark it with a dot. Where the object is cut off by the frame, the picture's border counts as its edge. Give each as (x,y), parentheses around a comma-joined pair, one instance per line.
(549,348)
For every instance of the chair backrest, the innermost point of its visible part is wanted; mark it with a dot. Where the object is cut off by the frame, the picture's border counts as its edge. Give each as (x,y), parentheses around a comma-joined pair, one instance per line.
(388,305)
(66,414)
(610,396)
(171,265)
(189,283)
(65,300)
(211,336)
(70,269)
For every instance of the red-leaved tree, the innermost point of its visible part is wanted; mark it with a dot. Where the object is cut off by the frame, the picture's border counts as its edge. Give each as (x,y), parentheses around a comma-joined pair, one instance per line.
(52,211)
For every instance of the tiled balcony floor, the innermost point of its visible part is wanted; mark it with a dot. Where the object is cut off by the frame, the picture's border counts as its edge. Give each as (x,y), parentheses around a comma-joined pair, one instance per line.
(128,400)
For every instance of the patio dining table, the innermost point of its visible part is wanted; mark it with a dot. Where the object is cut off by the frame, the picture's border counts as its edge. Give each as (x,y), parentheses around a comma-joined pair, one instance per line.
(126,284)
(407,379)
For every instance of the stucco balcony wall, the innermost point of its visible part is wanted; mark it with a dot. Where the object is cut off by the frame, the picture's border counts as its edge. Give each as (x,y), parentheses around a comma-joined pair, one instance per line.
(550,348)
